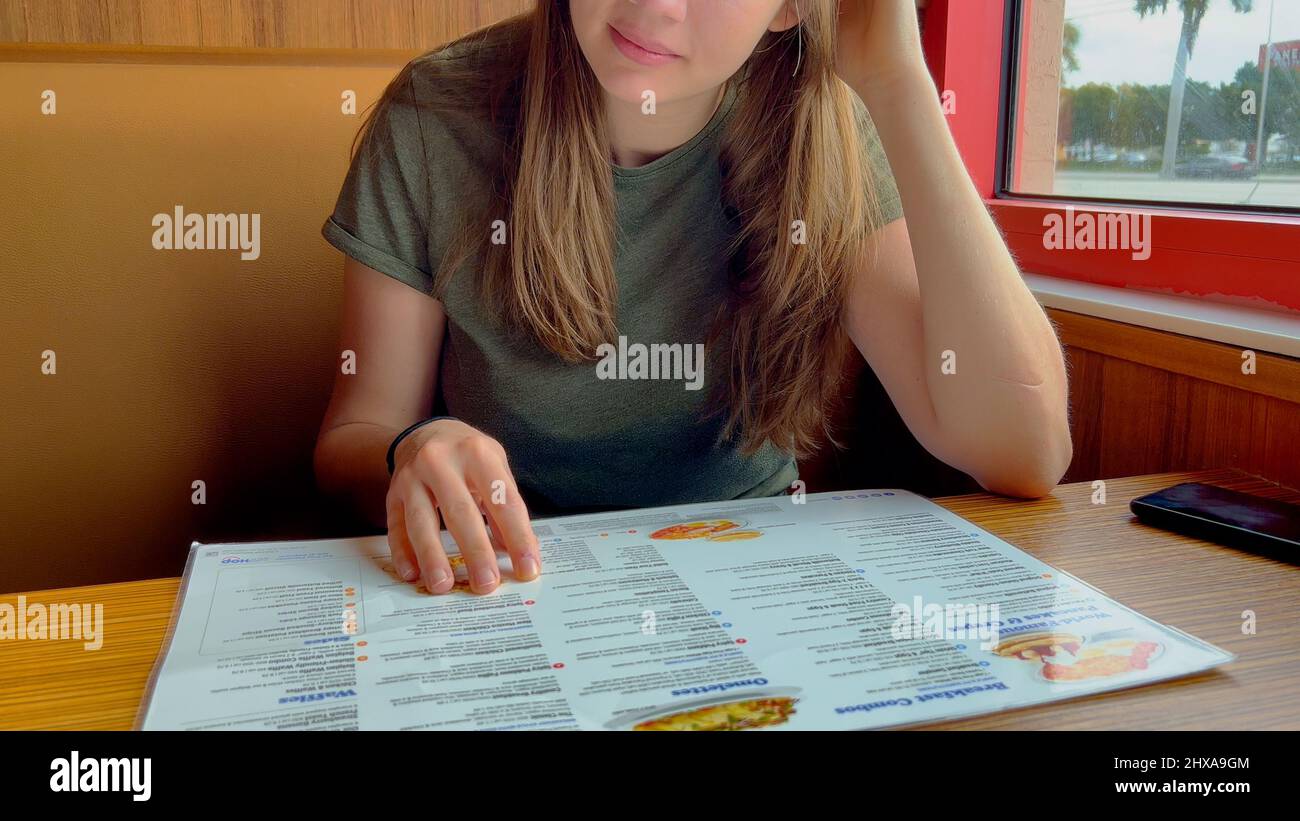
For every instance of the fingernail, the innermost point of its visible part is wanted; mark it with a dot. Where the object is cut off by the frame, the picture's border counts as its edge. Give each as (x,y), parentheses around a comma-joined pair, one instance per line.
(528,566)
(485,578)
(442,576)
(408,573)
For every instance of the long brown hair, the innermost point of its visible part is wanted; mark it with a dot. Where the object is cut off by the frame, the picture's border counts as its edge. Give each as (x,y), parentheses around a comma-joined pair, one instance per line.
(795,175)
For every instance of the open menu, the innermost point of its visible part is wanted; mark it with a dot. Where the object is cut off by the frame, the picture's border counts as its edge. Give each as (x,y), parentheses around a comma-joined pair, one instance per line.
(847,610)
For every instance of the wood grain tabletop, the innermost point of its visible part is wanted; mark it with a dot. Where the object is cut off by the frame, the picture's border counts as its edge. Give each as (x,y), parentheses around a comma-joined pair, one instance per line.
(1198,587)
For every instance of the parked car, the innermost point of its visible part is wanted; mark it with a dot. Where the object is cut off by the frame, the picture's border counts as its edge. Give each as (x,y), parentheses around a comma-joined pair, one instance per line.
(1135,159)
(1215,166)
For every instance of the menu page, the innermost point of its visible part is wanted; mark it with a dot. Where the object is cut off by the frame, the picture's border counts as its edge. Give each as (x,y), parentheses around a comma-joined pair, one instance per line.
(847,610)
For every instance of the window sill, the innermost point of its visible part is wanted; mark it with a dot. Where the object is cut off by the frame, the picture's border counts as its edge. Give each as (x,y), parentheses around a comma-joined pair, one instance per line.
(1252,328)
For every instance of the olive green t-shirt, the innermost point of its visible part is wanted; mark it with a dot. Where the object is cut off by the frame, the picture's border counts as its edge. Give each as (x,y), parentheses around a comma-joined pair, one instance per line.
(594,435)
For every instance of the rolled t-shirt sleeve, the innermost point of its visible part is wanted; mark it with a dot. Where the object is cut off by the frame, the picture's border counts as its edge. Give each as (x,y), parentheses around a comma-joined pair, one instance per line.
(886,189)
(381,217)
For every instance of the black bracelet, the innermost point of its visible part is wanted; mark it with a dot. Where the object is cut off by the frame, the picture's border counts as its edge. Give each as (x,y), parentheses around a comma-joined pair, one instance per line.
(392,449)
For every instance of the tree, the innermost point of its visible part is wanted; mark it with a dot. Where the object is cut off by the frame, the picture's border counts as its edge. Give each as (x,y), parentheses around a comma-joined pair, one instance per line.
(1093,111)
(1193,13)
(1283,101)
(1203,117)
(1140,115)
(1070,37)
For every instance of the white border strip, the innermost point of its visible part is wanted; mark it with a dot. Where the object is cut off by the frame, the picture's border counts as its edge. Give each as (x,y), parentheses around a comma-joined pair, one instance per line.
(1253,328)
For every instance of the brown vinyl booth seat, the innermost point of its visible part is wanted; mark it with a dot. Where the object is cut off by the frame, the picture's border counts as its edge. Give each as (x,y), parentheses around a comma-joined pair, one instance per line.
(177,367)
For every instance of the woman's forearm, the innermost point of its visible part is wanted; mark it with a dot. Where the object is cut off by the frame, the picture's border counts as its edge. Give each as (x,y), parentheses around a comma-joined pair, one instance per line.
(993,365)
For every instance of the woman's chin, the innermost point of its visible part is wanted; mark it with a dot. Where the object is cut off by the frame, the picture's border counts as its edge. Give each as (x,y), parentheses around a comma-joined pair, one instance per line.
(631,86)
(625,89)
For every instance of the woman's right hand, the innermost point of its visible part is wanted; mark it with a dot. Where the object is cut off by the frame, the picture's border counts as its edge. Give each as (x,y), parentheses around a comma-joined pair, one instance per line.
(446,472)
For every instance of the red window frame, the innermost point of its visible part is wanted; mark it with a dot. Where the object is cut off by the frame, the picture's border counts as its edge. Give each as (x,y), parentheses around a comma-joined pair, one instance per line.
(1195,251)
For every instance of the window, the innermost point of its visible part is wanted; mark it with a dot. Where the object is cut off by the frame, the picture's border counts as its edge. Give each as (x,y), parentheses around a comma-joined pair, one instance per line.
(1042,165)
(1160,101)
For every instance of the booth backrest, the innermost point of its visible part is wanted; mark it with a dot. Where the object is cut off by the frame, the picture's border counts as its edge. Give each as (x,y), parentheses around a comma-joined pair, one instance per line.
(130,373)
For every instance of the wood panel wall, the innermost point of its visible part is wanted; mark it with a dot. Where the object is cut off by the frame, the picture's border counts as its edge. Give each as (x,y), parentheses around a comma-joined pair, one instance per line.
(395,24)
(1141,401)
(1147,401)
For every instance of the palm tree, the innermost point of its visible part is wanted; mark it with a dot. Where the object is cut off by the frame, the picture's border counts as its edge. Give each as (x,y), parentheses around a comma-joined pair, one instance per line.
(1070,48)
(1193,14)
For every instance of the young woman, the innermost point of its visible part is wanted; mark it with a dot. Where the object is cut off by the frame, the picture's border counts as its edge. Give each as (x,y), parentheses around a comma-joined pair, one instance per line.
(556,223)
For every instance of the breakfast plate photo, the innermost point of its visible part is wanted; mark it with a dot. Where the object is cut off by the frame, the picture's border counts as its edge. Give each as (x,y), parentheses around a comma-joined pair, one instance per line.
(714,530)
(750,710)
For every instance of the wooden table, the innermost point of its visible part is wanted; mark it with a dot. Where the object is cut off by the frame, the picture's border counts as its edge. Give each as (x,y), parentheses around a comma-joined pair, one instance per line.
(1193,585)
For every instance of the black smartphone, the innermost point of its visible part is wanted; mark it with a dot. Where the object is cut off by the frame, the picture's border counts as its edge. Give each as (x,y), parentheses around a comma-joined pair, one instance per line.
(1228,517)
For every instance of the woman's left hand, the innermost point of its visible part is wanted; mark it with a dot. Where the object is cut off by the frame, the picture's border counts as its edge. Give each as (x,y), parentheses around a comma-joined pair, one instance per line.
(878,41)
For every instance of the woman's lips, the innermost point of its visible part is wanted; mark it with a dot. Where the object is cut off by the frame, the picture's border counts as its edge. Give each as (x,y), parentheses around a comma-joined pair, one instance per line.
(638,53)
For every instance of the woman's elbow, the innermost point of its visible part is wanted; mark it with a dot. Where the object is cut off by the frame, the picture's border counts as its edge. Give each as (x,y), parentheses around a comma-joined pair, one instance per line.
(1035,472)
